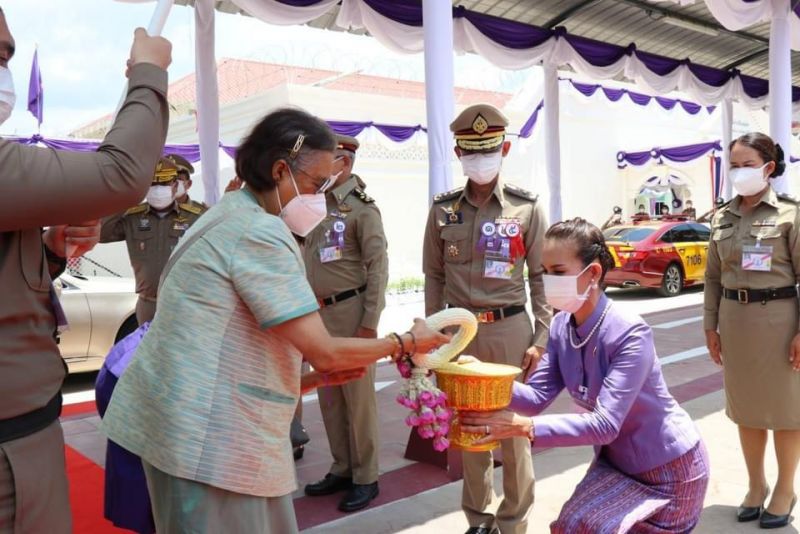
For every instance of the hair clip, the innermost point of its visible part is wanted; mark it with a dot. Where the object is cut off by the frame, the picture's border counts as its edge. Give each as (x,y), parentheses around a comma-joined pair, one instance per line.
(297,146)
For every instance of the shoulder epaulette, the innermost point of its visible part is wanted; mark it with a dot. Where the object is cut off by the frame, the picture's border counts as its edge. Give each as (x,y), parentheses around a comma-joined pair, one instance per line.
(362,196)
(788,198)
(191,208)
(519,192)
(202,205)
(449,195)
(140,208)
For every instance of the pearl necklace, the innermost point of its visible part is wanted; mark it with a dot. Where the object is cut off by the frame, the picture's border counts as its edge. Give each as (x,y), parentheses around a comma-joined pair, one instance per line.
(580,345)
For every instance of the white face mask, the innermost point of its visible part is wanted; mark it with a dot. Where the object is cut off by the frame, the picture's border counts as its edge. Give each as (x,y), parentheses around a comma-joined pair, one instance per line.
(7,95)
(482,168)
(160,196)
(561,291)
(181,189)
(748,180)
(304,212)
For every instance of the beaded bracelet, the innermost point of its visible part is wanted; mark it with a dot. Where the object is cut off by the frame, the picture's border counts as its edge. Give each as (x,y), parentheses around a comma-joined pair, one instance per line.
(398,342)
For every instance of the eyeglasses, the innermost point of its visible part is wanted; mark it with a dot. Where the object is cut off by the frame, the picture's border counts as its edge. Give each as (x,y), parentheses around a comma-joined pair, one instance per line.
(326,182)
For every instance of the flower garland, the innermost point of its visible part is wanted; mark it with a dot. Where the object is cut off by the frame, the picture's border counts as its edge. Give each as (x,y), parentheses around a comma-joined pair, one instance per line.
(428,404)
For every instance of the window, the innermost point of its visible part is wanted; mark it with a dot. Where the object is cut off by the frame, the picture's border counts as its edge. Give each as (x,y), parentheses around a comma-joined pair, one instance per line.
(682,233)
(627,234)
(703,232)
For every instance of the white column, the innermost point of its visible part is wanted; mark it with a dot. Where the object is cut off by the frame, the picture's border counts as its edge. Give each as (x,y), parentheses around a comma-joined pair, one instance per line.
(727,137)
(552,140)
(437,20)
(780,82)
(207,98)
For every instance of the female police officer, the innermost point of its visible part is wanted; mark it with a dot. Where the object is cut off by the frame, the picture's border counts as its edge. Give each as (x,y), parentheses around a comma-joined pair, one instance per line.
(751,321)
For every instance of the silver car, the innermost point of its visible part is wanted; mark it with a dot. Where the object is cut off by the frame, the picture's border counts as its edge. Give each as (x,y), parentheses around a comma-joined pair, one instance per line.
(100,311)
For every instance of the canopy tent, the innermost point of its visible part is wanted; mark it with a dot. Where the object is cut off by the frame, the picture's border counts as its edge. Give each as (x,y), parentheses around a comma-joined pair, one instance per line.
(593,37)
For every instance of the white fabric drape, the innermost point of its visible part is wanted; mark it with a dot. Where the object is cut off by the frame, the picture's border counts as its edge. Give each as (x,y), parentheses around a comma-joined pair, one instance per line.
(207,97)
(276,13)
(552,140)
(737,15)
(439,93)
(400,38)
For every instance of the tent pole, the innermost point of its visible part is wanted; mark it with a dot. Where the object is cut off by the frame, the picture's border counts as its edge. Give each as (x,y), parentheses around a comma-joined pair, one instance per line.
(780,83)
(727,137)
(437,20)
(207,92)
(552,140)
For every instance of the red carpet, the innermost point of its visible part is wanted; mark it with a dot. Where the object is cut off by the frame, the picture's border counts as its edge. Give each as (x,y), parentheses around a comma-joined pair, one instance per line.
(86,495)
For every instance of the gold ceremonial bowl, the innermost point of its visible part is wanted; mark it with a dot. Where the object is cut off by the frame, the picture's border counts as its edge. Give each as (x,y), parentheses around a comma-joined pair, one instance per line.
(477,387)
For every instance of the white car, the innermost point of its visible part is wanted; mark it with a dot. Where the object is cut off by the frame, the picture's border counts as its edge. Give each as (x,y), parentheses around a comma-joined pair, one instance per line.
(100,311)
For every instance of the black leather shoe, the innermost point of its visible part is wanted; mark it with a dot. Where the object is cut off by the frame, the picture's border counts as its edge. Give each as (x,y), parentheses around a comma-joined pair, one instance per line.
(482,530)
(751,513)
(298,452)
(359,497)
(769,520)
(328,485)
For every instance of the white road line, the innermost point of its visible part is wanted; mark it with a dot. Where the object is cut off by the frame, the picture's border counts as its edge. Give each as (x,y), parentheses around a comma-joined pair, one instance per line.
(679,322)
(311,397)
(685,355)
(78,397)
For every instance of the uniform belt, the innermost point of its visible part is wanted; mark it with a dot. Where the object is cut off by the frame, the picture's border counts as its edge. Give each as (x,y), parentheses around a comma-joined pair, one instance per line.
(339,297)
(491,316)
(31,422)
(746,296)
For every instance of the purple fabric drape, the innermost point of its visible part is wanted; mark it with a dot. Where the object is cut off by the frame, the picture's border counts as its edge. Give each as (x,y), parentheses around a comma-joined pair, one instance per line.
(614,95)
(519,36)
(299,3)
(190,152)
(394,132)
(680,154)
(527,128)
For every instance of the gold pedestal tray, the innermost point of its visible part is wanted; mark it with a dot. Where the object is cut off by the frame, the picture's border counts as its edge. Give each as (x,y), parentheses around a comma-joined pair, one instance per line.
(477,387)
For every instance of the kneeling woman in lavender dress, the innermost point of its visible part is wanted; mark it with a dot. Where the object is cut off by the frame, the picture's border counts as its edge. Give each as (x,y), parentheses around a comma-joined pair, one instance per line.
(650,470)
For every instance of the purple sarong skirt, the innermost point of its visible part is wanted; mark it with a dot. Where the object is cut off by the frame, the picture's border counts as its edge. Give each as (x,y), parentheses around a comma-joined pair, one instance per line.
(667,499)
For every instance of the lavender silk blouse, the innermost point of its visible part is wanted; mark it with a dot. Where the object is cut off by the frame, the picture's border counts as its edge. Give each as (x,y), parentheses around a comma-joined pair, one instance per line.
(632,418)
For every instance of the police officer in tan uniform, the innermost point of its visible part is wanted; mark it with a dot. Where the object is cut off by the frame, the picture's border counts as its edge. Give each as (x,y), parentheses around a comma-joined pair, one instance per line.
(751,321)
(185,172)
(348,269)
(478,240)
(62,191)
(151,230)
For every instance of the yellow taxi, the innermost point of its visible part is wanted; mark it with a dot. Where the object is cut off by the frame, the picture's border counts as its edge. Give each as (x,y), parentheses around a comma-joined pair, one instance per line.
(667,254)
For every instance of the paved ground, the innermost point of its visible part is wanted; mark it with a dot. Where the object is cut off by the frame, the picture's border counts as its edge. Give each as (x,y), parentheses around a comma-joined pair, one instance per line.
(418,497)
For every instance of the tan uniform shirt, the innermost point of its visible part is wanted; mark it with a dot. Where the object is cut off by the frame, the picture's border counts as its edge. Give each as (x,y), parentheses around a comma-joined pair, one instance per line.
(456,254)
(150,239)
(775,223)
(348,250)
(41,187)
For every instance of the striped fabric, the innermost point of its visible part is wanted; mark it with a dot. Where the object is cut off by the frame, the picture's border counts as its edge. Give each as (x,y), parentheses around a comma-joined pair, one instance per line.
(667,499)
(211,392)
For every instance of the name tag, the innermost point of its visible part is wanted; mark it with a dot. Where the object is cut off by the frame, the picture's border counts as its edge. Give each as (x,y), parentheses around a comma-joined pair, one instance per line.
(757,258)
(329,254)
(497,269)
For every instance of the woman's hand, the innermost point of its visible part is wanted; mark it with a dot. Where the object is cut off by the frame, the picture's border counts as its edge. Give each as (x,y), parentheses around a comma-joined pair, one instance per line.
(714,345)
(315,379)
(427,339)
(794,353)
(495,425)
